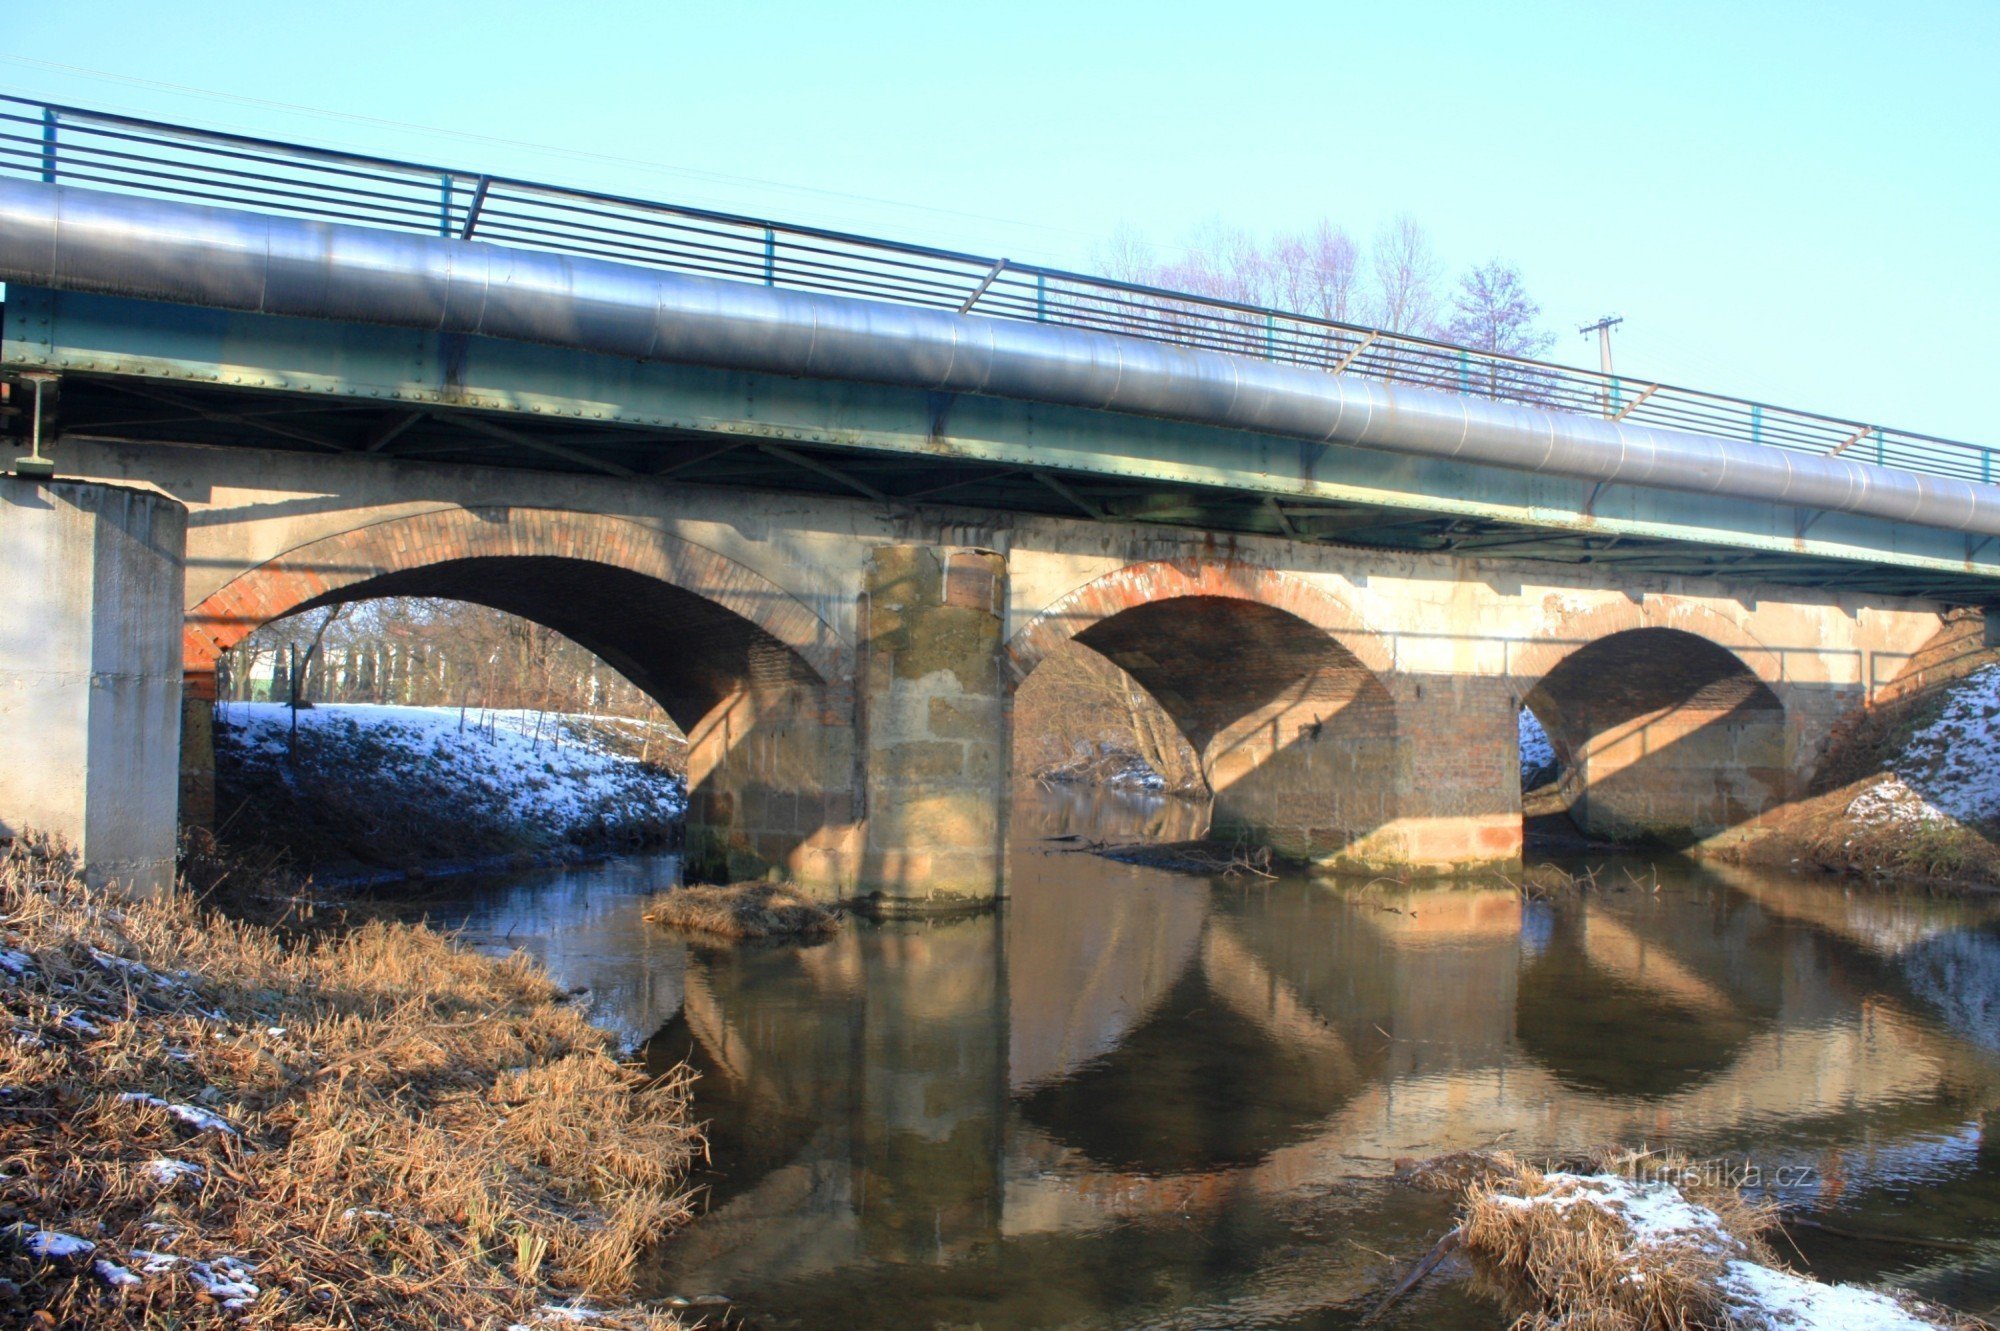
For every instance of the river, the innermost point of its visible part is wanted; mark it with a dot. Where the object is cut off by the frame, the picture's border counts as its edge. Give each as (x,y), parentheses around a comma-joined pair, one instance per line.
(1141,1099)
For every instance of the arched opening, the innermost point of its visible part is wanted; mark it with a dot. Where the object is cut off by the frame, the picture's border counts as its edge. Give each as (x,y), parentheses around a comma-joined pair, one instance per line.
(1658,736)
(768,762)
(1295,736)
(1081,720)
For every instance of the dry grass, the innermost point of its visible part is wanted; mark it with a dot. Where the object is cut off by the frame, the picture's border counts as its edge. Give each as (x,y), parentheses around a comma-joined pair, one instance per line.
(1817,831)
(405,1135)
(1579,1267)
(750,910)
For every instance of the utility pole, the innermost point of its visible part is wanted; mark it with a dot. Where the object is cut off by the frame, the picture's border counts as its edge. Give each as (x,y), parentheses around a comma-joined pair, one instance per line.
(1603,329)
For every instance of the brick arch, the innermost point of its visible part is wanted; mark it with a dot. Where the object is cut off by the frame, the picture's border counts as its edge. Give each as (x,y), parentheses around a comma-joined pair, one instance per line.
(1142,584)
(1671,721)
(1536,658)
(379,551)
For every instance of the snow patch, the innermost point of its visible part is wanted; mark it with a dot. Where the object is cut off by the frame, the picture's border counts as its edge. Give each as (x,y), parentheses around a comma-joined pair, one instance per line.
(1891,802)
(227,1279)
(1758,1297)
(1768,1299)
(1950,768)
(1538,756)
(168,1172)
(554,770)
(201,1120)
(53,1245)
(114,1275)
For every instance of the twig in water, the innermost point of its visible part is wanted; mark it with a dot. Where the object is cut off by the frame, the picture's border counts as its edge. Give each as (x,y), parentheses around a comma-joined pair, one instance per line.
(1430,1261)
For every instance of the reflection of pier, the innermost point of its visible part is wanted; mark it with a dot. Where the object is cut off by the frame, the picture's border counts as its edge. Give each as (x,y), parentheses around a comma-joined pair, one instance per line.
(1131,1045)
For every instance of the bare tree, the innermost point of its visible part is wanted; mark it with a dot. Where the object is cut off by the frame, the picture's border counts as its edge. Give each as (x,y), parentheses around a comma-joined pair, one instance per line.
(1406,277)
(1316,272)
(1492,311)
(436,653)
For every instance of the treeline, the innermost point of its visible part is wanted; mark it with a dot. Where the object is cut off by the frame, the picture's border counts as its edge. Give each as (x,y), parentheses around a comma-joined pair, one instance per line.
(1396,282)
(426,653)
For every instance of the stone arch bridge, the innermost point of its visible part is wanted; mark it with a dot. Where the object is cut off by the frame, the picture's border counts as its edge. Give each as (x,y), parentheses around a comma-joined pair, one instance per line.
(845,669)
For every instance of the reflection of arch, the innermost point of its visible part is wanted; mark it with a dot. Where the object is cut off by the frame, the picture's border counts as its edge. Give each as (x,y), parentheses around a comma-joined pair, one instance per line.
(1273,681)
(395,551)
(1663,734)
(1598,981)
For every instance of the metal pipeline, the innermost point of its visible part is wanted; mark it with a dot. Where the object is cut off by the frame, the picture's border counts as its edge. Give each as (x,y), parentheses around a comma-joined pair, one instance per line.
(86,240)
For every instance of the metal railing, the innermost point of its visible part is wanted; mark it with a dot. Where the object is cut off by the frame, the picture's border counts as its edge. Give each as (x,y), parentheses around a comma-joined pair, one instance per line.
(72,145)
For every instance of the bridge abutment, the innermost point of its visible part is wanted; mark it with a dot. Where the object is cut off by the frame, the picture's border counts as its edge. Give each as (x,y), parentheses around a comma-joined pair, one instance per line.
(90,674)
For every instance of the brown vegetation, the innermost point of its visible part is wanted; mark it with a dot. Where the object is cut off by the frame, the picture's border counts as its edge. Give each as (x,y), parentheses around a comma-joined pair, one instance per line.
(1817,833)
(1579,1267)
(1632,1241)
(370,1128)
(750,910)
(1078,717)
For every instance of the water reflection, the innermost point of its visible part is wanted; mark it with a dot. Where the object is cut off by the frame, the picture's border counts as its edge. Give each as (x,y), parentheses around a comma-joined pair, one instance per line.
(1135,1098)
(583,925)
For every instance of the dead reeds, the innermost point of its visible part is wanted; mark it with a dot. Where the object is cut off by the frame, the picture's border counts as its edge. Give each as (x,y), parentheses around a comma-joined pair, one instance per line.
(743,911)
(369,1129)
(1634,1241)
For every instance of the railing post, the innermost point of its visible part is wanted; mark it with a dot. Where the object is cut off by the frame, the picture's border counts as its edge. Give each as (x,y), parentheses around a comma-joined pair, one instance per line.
(1878,446)
(770,257)
(1986,465)
(1617,400)
(446,189)
(1270,336)
(1756,425)
(48,145)
(1464,373)
(1041,298)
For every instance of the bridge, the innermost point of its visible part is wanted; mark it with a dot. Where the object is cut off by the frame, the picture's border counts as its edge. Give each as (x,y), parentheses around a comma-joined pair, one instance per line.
(831,499)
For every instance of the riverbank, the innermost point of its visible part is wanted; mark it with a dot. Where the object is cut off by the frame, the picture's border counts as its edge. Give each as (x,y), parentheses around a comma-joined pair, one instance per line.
(210,1122)
(1912,795)
(363,794)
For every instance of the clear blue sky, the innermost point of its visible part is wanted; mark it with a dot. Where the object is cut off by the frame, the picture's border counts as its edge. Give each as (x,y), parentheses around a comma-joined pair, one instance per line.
(1794,201)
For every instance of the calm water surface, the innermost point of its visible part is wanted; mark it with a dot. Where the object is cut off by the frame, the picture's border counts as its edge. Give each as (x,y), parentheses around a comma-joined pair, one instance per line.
(1141,1099)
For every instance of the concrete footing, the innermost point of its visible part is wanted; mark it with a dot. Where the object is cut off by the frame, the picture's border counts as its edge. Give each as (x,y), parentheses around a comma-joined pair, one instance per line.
(90,674)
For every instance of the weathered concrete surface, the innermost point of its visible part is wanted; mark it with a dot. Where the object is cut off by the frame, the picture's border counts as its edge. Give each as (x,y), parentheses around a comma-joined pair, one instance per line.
(1352,706)
(90,674)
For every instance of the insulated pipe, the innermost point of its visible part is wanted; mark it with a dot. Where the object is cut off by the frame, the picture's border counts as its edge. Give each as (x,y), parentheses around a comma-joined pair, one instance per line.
(86,240)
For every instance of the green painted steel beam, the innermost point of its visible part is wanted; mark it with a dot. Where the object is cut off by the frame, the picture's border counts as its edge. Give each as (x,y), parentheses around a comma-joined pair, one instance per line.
(545,389)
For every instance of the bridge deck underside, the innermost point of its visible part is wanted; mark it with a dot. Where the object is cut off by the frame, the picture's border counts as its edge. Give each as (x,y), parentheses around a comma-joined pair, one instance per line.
(146,372)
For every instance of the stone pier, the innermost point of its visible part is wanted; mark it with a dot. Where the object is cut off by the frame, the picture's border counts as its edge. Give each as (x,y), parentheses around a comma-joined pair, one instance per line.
(934,712)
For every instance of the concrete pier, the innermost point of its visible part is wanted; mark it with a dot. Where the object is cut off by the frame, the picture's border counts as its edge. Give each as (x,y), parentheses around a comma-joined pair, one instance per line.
(90,674)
